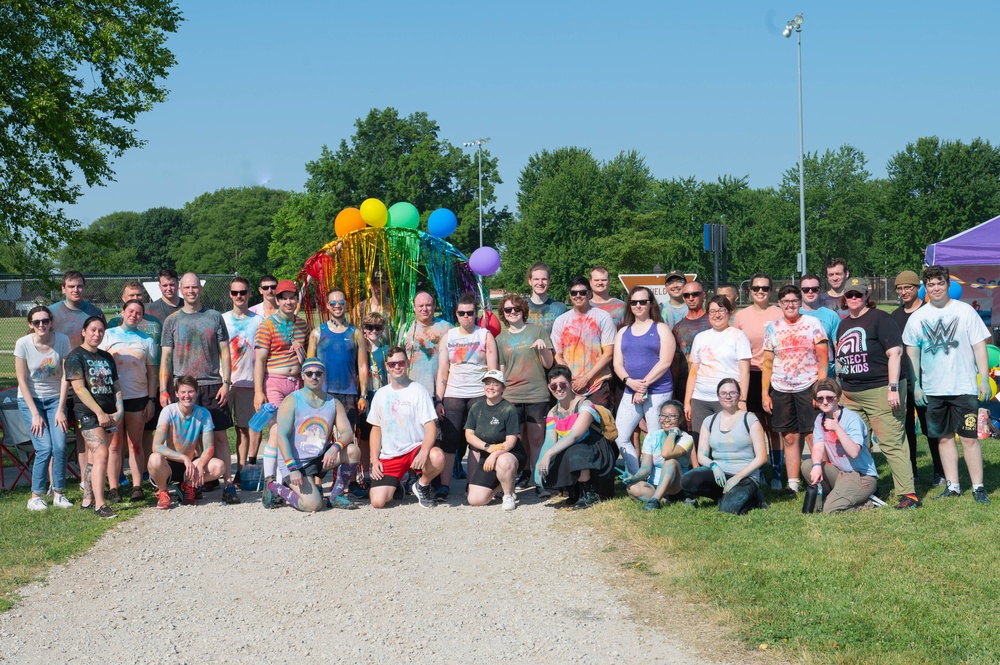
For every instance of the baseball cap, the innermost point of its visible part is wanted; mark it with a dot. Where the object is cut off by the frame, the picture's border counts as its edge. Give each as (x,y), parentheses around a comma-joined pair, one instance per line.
(676,274)
(907,278)
(856,284)
(285,285)
(313,362)
(496,375)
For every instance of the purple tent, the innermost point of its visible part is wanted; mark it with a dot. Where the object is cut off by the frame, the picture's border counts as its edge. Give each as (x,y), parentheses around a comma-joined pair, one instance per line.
(979,246)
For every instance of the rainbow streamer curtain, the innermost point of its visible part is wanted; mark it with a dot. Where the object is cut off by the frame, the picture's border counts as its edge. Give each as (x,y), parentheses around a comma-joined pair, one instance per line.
(407,259)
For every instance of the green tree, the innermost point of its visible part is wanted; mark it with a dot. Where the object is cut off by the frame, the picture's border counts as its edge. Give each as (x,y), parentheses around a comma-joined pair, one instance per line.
(107,246)
(75,77)
(155,235)
(231,232)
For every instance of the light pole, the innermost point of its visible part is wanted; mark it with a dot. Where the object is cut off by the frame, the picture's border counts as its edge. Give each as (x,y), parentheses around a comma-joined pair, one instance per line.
(479,153)
(795,25)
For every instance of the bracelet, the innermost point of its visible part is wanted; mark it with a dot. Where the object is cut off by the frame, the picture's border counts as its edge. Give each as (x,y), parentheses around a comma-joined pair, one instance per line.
(292,465)
(817,464)
(339,445)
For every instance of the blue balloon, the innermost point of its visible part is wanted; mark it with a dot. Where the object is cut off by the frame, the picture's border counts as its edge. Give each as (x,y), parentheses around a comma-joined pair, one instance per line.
(442,223)
(954,290)
(922,293)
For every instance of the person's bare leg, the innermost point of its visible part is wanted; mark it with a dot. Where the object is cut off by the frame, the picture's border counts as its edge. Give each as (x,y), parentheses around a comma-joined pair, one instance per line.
(223,454)
(97,463)
(242,446)
(536,438)
(949,458)
(381,496)
(793,457)
(670,479)
(115,455)
(159,471)
(449,463)
(134,423)
(507,472)
(972,451)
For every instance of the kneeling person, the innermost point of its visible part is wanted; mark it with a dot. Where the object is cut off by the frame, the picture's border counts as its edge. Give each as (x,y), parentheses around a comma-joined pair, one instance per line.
(492,430)
(181,427)
(313,436)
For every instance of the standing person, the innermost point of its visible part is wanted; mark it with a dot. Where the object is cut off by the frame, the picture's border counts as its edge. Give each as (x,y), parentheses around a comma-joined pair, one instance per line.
(196,342)
(675,308)
(643,350)
(753,321)
(869,353)
(811,295)
(269,300)
(722,352)
(169,300)
(795,357)
(374,332)
(94,378)
(464,356)
(241,326)
(584,340)
(524,353)
(280,350)
(137,357)
(907,288)
(946,343)
(849,477)
(378,298)
(68,315)
(404,429)
(664,457)
(41,399)
(344,352)
(421,339)
(836,275)
(685,330)
(492,430)
(542,310)
(600,280)
(731,291)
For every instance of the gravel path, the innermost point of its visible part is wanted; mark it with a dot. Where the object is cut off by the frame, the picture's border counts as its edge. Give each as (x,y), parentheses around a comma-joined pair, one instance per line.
(239,584)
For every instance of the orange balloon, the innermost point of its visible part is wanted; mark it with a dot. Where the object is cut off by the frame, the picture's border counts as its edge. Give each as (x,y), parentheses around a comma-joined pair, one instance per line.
(348,219)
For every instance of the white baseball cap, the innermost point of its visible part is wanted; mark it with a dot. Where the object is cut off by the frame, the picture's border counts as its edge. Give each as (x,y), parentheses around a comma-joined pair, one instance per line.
(496,375)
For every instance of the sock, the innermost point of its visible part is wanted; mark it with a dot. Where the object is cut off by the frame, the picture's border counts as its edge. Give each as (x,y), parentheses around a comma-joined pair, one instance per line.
(252,461)
(979,486)
(954,487)
(286,493)
(270,461)
(912,496)
(793,483)
(345,473)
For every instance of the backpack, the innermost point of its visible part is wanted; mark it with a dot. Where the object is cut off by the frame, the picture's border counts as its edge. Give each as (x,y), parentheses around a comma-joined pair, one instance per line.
(607,427)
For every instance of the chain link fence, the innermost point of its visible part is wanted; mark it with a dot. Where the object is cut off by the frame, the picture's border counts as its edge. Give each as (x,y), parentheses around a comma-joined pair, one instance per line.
(18,294)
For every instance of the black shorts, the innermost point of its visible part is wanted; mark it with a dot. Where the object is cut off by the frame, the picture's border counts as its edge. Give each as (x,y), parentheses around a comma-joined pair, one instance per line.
(313,468)
(754,391)
(350,403)
(456,411)
(177,471)
(952,414)
(70,411)
(136,405)
(489,478)
(793,412)
(151,423)
(222,416)
(87,421)
(532,412)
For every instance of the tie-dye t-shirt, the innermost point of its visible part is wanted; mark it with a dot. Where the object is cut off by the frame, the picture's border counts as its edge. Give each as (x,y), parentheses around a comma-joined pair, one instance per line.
(421,344)
(835,453)
(70,321)
(545,315)
(242,336)
(614,307)
(685,332)
(44,369)
(522,365)
(945,336)
(581,339)
(133,352)
(466,362)
(312,426)
(718,354)
(796,363)
(652,445)
(99,373)
(183,433)
(862,343)
(285,342)
(401,415)
(753,322)
(149,324)
(672,313)
(196,340)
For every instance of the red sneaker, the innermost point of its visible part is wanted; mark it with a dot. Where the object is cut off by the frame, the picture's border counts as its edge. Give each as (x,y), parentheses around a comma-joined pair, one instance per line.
(187,494)
(163,500)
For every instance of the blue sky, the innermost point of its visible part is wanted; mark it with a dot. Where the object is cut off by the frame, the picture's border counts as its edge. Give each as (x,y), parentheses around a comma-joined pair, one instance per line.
(699,89)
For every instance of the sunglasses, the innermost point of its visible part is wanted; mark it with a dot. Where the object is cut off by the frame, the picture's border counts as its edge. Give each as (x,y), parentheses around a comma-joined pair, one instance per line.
(465,312)
(854,295)
(578,292)
(823,399)
(511,310)
(268,287)
(810,289)
(758,289)
(395,364)
(314,374)
(238,293)
(337,303)
(693,294)
(41,322)
(558,387)
(370,328)
(639,303)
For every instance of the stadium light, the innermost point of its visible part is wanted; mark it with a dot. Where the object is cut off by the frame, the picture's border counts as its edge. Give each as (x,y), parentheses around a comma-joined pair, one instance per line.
(795,25)
(479,150)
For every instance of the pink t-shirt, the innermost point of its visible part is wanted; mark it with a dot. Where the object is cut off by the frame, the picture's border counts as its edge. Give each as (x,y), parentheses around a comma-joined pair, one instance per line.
(796,363)
(753,322)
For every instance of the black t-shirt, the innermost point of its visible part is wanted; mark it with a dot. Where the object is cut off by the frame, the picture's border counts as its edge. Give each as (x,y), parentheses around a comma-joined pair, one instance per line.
(99,374)
(861,347)
(493,424)
(901,316)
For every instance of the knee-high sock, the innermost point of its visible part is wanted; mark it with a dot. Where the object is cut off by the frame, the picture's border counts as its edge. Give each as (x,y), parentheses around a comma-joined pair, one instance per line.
(286,493)
(270,461)
(345,474)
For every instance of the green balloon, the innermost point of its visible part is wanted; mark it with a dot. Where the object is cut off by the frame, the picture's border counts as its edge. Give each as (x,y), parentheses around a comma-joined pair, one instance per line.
(404,215)
(993,353)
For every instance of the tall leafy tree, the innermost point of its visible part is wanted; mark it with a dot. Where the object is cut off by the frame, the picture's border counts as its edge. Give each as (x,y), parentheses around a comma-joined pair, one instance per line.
(75,76)
(107,246)
(156,233)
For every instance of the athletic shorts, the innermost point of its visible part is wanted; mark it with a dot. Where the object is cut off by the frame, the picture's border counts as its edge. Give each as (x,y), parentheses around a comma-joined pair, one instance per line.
(241,401)
(489,478)
(350,403)
(277,387)
(151,423)
(456,412)
(952,414)
(394,468)
(754,391)
(221,416)
(793,412)
(313,468)
(177,471)
(89,421)
(136,405)
(533,412)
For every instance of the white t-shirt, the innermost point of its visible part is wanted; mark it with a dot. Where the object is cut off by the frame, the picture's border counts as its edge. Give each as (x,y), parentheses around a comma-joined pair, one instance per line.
(467,362)
(133,352)
(718,354)
(242,333)
(945,336)
(401,414)
(44,369)
(653,445)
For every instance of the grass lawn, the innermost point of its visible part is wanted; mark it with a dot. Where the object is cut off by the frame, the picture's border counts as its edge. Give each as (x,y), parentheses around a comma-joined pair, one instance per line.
(877,586)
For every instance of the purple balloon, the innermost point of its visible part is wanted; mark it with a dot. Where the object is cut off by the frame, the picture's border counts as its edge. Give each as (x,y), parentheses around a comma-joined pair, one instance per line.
(485,261)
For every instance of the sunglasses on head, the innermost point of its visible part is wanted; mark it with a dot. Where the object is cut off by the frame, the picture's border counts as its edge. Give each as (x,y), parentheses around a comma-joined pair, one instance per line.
(465,312)
(639,303)
(373,328)
(268,287)
(810,289)
(758,289)
(238,293)
(395,364)
(314,374)
(578,292)
(41,322)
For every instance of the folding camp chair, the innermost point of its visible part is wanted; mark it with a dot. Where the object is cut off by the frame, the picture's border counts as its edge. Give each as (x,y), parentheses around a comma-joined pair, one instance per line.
(15,442)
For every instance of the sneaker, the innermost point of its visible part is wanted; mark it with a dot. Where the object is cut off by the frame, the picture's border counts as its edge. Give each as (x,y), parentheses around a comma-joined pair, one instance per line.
(907,502)
(587,499)
(163,500)
(37,504)
(509,502)
(105,512)
(229,495)
(268,499)
(524,481)
(938,481)
(776,484)
(357,492)
(198,492)
(188,495)
(137,494)
(423,494)
(790,493)
(979,494)
(341,502)
(112,496)
(211,486)
(60,501)
(542,493)
(442,493)
(652,504)
(947,493)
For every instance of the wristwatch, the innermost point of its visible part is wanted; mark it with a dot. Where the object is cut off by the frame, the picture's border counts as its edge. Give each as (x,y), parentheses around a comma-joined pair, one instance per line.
(894,387)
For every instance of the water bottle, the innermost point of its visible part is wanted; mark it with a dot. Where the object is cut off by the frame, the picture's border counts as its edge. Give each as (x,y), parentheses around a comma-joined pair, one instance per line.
(262,417)
(819,497)
(809,503)
(251,478)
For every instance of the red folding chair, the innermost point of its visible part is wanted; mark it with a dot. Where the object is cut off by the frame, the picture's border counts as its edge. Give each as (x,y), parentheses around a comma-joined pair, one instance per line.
(14,439)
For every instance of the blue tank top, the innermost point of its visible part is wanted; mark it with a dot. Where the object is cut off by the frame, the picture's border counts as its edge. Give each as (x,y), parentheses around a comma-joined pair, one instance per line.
(639,354)
(339,353)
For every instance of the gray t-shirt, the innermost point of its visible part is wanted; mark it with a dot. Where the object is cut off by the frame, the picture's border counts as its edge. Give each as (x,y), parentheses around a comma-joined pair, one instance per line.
(162,309)
(70,321)
(732,450)
(196,340)
(44,369)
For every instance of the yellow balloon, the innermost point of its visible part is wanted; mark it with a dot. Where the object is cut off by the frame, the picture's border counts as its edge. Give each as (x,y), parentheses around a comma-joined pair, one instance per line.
(374,213)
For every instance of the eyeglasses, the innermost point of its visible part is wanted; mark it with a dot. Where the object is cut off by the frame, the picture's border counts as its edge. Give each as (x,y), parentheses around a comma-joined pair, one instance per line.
(810,289)
(41,322)
(314,374)
(511,310)
(823,399)
(268,287)
(758,289)
(693,294)
(906,287)
(639,303)
(669,416)
(465,312)
(337,303)
(395,364)
(788,302)
(372,328)
(559,387)
(238,293)
(854,295)
(578,292)
(729,394)
(717,312)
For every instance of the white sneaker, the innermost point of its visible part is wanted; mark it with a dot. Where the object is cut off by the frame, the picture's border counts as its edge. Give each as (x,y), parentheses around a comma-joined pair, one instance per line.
(37,504)
(509,502)
(60,501)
